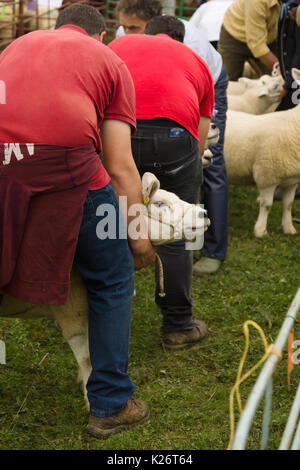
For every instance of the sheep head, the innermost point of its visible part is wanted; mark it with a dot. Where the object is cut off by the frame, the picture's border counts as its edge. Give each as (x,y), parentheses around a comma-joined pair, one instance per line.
(212,136)
(268,87)
(248,82)
(169,218)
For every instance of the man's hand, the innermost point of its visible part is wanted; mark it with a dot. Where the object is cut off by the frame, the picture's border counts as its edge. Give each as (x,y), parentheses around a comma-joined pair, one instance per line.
(269,60)
(282,94)
(143,253)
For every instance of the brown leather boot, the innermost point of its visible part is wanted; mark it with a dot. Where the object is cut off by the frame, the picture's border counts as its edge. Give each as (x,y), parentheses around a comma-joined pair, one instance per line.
(136,412)
(185,338)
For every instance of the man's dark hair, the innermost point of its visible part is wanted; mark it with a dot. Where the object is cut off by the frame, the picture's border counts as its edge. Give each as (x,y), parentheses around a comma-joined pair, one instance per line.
(143,9)
(167,25)
(84,16)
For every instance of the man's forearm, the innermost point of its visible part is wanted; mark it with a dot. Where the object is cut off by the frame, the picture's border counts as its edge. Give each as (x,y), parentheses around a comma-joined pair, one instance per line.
(126,181)
(203,131)
(298,16)
(269,60)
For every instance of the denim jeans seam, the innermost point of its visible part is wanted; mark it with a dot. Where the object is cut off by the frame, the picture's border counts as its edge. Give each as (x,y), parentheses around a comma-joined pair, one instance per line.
(107,413)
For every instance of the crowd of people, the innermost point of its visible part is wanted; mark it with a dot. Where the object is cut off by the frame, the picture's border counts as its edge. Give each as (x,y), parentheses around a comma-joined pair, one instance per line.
(79,133)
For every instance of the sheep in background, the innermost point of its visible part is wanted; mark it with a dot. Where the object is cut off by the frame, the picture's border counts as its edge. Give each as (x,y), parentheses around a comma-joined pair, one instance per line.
(258,96)
(265,150)
(239,87)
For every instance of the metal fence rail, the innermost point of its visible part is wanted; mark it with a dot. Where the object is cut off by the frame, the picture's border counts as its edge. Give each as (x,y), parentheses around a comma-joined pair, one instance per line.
(18,17)
(255,397)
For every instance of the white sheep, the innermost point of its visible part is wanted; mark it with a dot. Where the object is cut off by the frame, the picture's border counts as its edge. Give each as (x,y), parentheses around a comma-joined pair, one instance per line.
(264,150)
(258,96)
(73,317)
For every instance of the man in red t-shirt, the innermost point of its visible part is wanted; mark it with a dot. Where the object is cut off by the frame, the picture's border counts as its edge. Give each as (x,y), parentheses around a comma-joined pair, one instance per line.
(174,104)
(62,87)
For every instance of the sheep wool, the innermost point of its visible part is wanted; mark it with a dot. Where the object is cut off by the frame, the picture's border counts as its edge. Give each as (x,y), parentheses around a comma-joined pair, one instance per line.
(264,150)
(258,95)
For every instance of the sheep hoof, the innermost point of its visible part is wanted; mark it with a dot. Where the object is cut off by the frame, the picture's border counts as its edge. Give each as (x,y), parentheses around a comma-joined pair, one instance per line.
(260,232)
(290,230)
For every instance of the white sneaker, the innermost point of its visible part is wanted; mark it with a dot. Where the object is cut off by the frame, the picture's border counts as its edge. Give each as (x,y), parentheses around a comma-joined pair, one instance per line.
(206,266)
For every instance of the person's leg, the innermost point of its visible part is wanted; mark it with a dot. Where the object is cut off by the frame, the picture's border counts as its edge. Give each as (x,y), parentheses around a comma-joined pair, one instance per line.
(215,190)
(234,54)
(106,266)
(264,70)
(176,163)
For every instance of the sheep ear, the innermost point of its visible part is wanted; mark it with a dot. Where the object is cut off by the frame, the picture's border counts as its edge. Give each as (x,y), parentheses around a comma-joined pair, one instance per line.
(247,82)
(262,92)
(150,185)
(296,75)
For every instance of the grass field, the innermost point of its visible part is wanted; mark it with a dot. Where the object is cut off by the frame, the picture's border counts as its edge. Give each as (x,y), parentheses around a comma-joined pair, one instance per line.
(188,391)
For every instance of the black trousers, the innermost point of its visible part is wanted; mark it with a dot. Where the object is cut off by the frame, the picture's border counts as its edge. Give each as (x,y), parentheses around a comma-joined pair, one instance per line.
(165,149)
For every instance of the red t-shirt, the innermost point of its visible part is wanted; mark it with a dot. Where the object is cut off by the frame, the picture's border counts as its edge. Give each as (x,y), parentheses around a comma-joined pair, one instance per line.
(60,85)
(170,80)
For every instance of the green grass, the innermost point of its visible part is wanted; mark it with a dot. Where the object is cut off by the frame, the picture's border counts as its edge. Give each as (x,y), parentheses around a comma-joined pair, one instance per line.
(188,391)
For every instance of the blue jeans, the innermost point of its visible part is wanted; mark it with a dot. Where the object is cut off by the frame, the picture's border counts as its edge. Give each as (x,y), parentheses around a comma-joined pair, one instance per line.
(106,267)
(215,187)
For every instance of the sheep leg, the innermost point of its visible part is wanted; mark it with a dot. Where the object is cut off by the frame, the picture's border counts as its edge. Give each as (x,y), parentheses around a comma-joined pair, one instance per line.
(79,344)
(80,347)
(288,195)
(73,321)
(265,199)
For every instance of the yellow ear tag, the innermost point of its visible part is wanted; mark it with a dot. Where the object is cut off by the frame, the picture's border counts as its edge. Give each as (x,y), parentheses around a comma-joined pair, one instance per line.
(146,200)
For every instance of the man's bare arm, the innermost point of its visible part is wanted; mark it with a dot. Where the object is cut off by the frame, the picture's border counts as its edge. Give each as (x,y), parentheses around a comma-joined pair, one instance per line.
(298,16)
(203,131)
(125,180)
